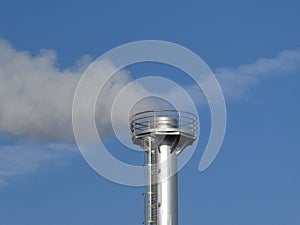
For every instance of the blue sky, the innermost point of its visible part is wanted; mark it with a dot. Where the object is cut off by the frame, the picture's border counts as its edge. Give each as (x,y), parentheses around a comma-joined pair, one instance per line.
(255,178)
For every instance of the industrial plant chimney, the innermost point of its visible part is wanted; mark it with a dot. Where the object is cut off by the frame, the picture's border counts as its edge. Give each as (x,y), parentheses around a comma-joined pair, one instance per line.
(163,134)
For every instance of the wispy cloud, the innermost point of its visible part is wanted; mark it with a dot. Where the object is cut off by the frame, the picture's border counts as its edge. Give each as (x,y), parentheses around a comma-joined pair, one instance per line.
(20,159)
(237,82)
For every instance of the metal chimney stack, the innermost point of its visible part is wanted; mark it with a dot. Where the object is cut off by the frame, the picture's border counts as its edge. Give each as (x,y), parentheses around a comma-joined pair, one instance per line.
(163,134)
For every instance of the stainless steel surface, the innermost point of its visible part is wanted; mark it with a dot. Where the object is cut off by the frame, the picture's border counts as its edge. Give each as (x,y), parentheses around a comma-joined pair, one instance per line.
(162,123)
(163,135)
(167,213)
(165,122)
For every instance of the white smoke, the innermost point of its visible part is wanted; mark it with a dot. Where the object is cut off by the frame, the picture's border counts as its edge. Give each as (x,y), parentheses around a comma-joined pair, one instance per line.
(36,107)
(36,97)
